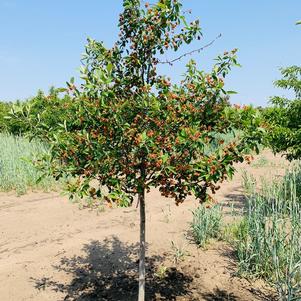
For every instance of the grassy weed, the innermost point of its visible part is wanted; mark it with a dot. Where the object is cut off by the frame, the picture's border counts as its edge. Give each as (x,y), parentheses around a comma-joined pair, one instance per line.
(178,252)
(206,224)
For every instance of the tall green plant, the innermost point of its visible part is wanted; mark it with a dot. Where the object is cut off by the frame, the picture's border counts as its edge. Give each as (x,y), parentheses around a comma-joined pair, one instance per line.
(130,129)
(206,224)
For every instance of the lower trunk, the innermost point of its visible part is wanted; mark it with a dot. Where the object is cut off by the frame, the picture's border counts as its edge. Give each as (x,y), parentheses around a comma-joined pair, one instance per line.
(141,295)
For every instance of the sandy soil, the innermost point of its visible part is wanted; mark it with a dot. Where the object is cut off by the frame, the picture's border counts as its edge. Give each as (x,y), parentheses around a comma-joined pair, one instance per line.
(51,250)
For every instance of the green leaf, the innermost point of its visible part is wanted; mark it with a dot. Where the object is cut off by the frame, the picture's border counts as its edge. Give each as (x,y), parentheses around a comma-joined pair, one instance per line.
(171,169)
(143,136)
(184,21)
(110,67)
(231,92)
(161,5)
(164,158)
(60,90)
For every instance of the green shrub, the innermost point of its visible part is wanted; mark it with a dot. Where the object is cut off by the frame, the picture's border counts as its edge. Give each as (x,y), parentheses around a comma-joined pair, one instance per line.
(284,117)
(49,111)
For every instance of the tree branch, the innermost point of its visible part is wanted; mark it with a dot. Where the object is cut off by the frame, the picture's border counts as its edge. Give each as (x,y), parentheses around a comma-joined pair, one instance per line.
(189,53)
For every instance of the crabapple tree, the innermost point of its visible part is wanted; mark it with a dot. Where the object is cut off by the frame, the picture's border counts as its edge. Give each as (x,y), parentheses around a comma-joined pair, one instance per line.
(129,128)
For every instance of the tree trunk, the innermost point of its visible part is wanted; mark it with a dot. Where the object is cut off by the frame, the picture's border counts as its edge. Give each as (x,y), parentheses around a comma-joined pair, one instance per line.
(141,295)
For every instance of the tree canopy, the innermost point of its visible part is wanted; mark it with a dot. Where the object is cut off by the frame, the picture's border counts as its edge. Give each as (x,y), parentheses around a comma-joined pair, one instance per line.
(134,129)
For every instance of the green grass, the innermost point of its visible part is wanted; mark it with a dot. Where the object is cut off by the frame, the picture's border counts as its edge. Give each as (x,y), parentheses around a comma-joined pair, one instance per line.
(17,172)
(268,239)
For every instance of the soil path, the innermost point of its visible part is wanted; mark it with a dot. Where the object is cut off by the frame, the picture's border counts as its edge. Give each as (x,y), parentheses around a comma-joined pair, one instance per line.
(51,250)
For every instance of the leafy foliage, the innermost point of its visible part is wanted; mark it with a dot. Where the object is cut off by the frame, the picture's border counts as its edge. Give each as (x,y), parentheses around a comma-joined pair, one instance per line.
(5,108)
(133,128)
(284,117)
(249,124)
(49,111)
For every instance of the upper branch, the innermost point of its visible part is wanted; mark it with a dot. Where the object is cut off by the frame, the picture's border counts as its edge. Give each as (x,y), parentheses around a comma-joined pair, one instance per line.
(189,53)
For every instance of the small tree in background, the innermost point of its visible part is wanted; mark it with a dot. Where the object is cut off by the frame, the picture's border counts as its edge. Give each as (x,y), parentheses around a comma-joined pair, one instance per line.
(46,110)
(284,117)
(129,129)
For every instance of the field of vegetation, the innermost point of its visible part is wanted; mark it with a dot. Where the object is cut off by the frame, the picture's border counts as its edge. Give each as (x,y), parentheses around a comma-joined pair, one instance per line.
(216,186)
(266,235)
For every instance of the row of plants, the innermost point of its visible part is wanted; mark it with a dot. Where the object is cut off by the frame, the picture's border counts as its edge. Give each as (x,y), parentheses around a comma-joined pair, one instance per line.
(277,126)
(267,238)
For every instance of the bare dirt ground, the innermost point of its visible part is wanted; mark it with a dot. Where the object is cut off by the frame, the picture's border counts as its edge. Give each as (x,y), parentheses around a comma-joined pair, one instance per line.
(52,250)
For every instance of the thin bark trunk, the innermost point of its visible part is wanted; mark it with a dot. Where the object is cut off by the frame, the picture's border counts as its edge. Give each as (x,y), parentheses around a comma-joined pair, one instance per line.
(141,295)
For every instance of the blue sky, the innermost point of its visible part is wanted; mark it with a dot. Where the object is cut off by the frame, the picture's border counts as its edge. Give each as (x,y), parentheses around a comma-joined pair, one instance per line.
(42,41)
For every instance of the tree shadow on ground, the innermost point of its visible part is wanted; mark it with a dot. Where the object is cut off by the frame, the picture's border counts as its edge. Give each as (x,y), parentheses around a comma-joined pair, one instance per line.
(219,295)
(108,270)
(236,201)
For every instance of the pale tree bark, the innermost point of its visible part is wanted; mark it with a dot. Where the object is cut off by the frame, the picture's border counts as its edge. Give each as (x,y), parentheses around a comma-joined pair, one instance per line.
(141,294)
